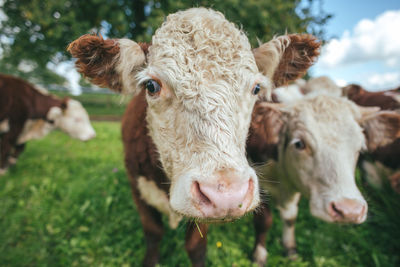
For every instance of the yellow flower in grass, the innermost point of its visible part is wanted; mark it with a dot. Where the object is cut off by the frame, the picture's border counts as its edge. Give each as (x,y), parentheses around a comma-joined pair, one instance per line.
(219,244)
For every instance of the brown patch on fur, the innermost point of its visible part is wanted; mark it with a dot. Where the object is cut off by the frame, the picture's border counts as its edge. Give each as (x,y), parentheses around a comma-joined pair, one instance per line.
(301,53)
(265,127)
(145,47)
(97,60)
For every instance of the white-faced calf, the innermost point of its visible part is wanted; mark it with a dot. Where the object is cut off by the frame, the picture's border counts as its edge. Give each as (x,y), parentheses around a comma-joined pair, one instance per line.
(313,145)
(195,86)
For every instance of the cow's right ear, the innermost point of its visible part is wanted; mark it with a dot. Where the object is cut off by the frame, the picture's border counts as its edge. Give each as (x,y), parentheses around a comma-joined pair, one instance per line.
(380,128)
(264,133)
(287,57)
(111,63)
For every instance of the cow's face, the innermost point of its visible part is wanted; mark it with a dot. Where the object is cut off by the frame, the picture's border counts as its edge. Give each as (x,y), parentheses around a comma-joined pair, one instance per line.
(202,80)
(73,119)
(319,144)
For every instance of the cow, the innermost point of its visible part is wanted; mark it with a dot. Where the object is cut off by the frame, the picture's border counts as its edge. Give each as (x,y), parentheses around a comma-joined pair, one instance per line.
(22,105)
(314,86)
(386,100)
(389,155)
(185,130)
(310,147)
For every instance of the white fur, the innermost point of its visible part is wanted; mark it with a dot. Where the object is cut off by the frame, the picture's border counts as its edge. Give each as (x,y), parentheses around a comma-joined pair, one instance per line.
(3,171)
(158,199)
(33,130)
(260,255)
(4,126)
(289,93)
(74,120)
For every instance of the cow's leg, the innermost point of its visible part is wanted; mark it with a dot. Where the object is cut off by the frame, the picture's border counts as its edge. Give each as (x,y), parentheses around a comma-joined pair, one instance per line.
(18,149)
(196,243)
(152,227)
(288,215)
(8,141)
(262,223)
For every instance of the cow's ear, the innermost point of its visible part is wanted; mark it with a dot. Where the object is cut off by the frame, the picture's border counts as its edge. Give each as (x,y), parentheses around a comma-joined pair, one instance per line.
(111,63)
(264,133)
(380,128)
(64,103)
(287,58)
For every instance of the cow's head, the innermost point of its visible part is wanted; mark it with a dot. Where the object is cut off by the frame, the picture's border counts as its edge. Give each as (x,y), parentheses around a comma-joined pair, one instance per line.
(73,119)
(317,141)
(202,80)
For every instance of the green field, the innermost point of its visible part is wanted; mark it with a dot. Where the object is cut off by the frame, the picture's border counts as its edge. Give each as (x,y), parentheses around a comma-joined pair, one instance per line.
(68,203)
(98,104)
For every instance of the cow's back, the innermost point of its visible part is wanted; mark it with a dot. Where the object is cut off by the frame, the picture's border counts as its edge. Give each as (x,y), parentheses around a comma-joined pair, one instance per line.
(15,98)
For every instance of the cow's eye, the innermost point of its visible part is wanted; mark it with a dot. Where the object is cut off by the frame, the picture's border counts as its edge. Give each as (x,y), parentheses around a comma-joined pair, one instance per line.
(299,144)
(153,87)
(256,89)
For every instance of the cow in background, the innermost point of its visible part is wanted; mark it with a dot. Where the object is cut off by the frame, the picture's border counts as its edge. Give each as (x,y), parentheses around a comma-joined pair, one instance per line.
(385,161)
(22,105)
(195,87)
(310,147)
(322,85)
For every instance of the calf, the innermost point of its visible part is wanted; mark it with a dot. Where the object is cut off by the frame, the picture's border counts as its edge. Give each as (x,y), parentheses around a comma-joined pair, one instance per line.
(20,102)
(313,145)
(195,87)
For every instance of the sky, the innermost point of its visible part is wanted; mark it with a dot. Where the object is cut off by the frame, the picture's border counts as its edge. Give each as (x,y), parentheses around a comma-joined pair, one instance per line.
(366,44)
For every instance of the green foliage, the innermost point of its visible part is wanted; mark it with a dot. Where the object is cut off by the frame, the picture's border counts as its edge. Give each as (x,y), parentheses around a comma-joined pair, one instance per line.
(38,31)
(68,203)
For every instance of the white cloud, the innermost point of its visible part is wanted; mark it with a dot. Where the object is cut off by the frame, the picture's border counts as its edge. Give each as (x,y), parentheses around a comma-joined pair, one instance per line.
(379,81)
(370,40)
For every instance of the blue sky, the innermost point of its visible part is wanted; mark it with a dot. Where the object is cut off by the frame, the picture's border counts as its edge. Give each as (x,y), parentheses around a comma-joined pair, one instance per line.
(366,45)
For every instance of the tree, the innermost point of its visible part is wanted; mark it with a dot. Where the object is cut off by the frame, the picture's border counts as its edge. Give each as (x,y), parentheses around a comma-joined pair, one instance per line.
(38,31)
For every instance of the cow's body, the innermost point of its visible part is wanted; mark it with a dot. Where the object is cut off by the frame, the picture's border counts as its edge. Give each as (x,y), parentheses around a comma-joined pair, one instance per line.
(386,100)
(310,148)
(21,104)
(388,155)
(195,88)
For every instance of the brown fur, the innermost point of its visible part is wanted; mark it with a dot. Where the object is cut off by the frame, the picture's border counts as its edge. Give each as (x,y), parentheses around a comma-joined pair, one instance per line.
(142,159)
(363,97)
(263,133)
(293,64)
(20,101)
(96,60)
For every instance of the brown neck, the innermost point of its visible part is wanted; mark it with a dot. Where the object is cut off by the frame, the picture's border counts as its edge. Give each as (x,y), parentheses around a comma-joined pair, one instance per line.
(42,104)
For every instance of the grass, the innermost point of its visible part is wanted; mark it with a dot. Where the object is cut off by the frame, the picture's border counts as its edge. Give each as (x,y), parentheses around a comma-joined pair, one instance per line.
(98,104)
(68,203)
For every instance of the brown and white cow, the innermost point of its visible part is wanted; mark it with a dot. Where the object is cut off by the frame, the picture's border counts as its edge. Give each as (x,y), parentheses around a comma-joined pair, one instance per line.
(310,147)
(195,87)
(389,155)
(22,105)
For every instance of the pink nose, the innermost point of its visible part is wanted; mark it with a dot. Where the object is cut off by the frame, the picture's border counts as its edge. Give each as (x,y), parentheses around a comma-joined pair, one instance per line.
(348,210)
(224,198)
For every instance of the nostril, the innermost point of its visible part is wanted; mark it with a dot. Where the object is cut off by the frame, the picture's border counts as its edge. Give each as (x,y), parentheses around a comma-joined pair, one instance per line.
(336,212)
(199,195)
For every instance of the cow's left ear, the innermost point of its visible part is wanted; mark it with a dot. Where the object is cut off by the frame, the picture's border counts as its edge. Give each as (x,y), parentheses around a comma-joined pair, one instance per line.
(287,58)
(111,63)
(380,128)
